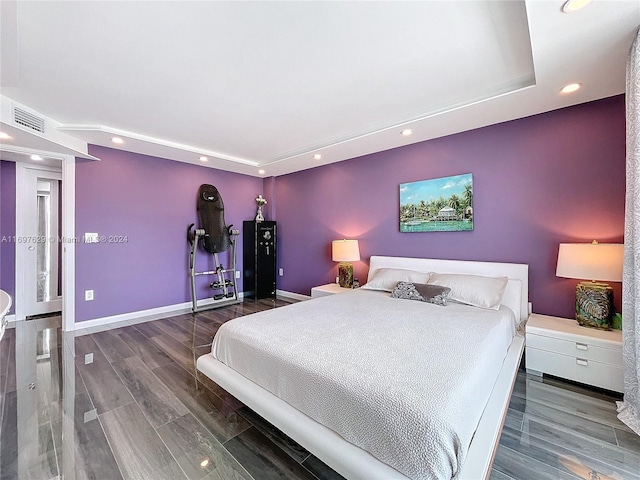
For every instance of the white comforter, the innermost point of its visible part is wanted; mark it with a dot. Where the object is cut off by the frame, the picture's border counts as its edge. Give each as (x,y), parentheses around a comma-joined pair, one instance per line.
(405,380)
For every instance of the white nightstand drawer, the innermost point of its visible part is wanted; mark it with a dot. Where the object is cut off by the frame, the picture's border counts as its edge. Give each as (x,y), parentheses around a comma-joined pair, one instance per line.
(579,348)
(576,368)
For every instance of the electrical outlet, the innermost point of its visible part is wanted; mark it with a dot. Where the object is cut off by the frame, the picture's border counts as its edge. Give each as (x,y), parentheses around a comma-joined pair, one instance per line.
(88,358)
(281,272)
(237,273)
(88,295)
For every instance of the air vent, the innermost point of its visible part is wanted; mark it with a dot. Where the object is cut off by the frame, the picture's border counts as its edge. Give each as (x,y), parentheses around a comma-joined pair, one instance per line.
(29,120)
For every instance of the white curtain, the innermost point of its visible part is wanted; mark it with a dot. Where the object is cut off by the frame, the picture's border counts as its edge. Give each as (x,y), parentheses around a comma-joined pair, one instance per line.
(629,409)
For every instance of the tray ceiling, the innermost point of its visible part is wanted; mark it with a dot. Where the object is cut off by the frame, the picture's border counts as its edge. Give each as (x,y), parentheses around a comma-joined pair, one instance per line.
(268,85)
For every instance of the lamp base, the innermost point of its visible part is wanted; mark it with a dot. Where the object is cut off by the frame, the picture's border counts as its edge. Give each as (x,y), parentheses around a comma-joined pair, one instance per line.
(345,274)
(593,305)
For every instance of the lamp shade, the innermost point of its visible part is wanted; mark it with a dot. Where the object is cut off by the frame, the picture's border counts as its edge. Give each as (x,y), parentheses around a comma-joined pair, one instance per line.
(345,251)
(591,261)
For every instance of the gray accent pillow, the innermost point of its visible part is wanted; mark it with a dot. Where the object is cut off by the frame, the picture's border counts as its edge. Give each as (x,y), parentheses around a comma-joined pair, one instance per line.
(424,293)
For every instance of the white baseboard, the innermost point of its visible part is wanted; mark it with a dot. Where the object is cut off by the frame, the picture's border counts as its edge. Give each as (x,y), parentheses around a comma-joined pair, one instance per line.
(161,312)
(295,296)
(148,315)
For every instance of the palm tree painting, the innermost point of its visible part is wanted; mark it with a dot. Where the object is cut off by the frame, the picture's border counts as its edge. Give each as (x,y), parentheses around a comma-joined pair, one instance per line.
(437,205)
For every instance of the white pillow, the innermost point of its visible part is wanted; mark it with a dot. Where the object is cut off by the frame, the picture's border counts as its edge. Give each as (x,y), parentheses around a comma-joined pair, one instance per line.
(387,278)
(476,290)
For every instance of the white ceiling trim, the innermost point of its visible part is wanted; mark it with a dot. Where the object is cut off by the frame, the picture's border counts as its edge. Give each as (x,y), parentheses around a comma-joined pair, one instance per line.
(82,130)
(395,130)
(23,155)
(101,135)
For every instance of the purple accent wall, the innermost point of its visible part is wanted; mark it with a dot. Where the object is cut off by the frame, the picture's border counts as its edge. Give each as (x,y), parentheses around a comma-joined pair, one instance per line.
(8,228)
(150,201)
(269,193)
(538,181)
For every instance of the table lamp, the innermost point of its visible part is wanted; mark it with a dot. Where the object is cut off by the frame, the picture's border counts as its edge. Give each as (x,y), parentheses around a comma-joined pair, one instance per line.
(592,261)
(345,252)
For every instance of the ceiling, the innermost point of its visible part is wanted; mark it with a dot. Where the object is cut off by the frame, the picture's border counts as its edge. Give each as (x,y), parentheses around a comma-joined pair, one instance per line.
(264,86)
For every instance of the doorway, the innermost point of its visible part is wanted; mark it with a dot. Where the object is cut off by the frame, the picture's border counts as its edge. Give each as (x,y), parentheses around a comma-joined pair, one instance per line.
(37,241)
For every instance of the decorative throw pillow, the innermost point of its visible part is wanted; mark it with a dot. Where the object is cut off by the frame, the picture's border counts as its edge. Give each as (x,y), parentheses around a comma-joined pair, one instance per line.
(419,291)
(476,290)
(387,278)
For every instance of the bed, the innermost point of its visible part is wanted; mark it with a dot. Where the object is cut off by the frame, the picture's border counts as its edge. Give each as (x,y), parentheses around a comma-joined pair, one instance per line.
(379,387)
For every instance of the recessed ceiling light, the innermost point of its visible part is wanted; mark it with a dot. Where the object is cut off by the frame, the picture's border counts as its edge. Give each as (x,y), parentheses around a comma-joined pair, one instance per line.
(4,136)
(203,159)
(571,6)
(406,132)
(261,172)
(317,156)
(117,140)
(36,157)
(572,87)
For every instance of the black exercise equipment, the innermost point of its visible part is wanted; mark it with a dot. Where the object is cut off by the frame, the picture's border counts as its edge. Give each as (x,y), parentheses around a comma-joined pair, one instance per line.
(216,238)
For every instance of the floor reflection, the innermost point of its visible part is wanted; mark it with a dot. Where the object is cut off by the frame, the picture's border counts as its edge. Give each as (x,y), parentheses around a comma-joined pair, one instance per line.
(32,363)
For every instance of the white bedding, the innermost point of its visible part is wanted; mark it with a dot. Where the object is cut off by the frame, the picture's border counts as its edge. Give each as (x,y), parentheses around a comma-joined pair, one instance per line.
(406,381)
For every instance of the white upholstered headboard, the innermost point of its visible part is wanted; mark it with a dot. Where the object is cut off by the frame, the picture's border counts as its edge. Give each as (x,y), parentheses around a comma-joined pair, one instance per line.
(516,293)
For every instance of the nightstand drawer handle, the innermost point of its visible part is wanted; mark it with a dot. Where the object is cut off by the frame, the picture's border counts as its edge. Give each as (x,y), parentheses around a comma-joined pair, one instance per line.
(582,346)
(583,362)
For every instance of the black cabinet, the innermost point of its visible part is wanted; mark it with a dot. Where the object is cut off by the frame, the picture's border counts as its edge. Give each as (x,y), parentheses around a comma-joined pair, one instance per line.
(259,259)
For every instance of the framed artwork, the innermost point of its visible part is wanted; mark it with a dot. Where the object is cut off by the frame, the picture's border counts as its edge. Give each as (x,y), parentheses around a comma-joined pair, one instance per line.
(437,205)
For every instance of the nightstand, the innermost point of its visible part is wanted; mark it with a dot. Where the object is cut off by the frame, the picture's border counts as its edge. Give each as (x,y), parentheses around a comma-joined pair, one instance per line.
(328,289)
(560,347)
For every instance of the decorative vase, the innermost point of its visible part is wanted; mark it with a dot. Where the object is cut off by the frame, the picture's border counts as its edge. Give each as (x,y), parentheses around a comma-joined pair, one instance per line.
(259,217)
(593,305)
(345,274)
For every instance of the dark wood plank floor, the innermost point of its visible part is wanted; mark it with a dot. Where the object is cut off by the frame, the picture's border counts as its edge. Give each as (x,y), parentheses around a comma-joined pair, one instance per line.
(559,430)
(142,411)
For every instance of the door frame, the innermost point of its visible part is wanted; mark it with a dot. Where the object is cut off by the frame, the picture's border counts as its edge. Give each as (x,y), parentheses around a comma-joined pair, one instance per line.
(69,245)
(67,234)
(23,172)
